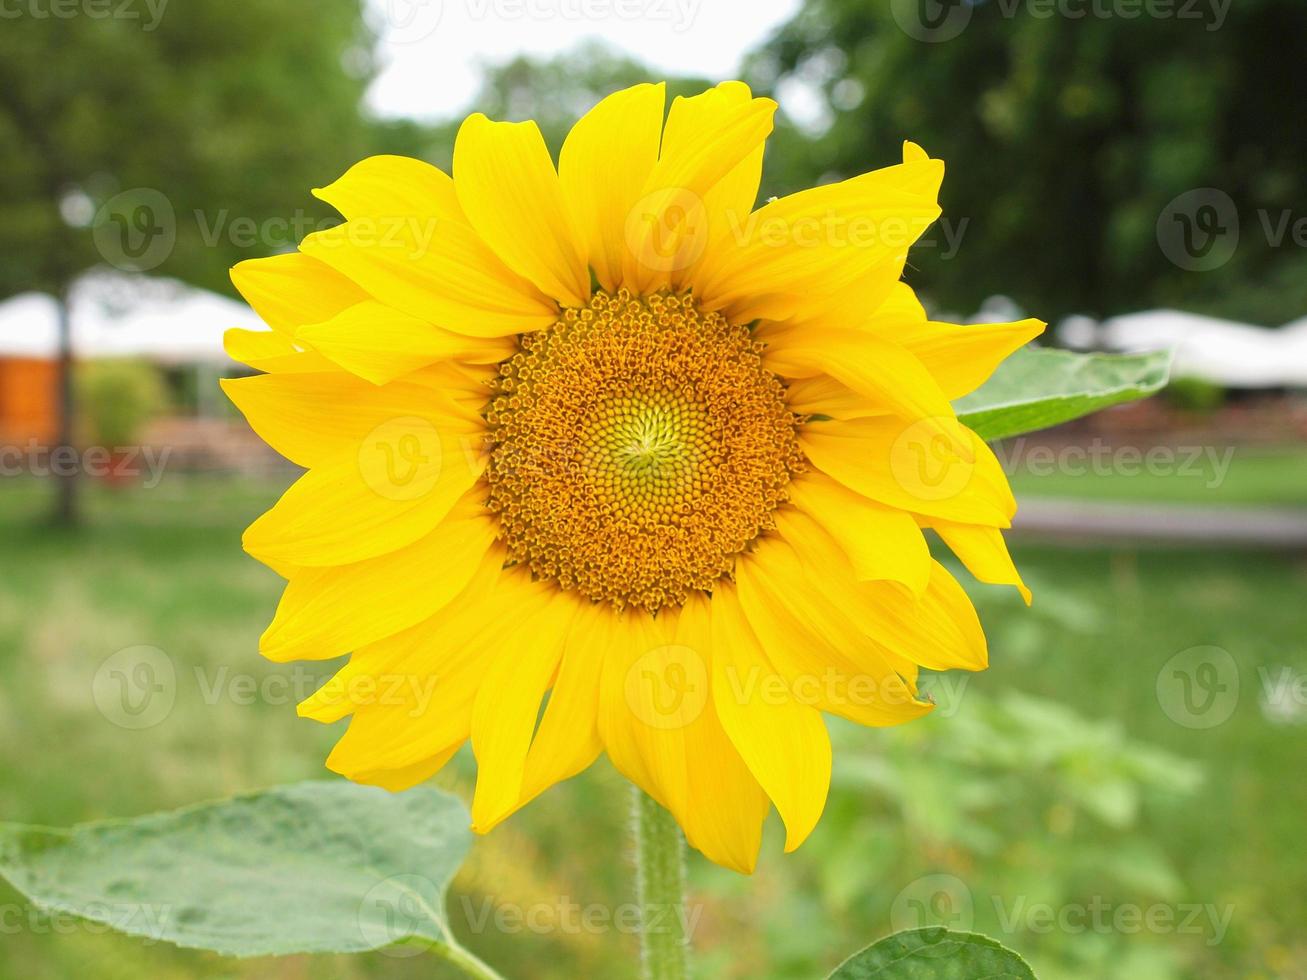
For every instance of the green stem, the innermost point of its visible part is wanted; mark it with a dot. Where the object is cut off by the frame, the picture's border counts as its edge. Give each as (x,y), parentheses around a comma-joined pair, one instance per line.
(465,960)
(660,882)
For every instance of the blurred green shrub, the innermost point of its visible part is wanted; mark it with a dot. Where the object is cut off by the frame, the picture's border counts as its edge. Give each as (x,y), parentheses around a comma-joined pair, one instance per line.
(1195,395)
(117,398)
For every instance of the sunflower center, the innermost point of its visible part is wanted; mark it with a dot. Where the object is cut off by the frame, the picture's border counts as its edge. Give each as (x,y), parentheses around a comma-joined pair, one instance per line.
(637,446)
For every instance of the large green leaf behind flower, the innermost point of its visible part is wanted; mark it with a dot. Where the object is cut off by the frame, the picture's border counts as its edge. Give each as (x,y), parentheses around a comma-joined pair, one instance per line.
(317,867)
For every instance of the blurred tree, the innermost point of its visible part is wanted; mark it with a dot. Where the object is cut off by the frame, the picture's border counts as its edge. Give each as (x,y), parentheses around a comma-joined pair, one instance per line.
(166,138)
(1067,139)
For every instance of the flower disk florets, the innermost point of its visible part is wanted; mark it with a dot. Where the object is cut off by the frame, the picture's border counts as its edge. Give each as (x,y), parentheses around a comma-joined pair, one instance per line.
(637,447)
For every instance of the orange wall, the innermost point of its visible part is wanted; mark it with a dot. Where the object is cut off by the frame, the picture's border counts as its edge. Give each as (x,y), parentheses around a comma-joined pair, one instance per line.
(27,400)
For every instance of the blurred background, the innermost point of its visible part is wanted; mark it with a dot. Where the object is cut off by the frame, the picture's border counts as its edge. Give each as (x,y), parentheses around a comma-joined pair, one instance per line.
(1120,795)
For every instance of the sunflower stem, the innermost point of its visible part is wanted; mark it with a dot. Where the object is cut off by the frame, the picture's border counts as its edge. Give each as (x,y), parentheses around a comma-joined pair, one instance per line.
(660,884)
(466,961)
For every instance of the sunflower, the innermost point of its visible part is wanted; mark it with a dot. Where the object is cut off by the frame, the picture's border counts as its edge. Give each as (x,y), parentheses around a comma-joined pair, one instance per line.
(602,458)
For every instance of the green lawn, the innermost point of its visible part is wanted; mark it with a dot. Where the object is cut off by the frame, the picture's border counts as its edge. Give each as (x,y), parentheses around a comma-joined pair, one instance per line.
(1056,778)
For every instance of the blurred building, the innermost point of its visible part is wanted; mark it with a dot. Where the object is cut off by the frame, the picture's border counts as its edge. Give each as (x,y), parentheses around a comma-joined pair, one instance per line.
(173,327)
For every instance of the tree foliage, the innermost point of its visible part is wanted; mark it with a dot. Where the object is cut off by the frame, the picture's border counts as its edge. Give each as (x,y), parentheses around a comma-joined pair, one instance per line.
(223,113)
(1066,138)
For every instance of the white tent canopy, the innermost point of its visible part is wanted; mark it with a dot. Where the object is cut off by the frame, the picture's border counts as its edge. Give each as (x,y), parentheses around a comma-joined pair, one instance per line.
(1236,355)
(115,315)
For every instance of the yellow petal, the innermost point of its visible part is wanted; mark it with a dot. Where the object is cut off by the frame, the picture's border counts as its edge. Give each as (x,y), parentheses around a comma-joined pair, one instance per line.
(568,738)
(379,343)
(272,351)
(316,419)
(881,542)
(841,308)
(437,270)
(914,467)
(818,647)
(729,200)
(707,139)
(937,629)
(511,194)
(650,691)
(386,188)
(727,807)
(874,368)
(388,496)
(822,395)
(783,742)
(822,240)
(326,612)
(397,780)
(508,702)
(662,732)
(961,358)
(293,289)
(983,551)
(431,671)
(605,161)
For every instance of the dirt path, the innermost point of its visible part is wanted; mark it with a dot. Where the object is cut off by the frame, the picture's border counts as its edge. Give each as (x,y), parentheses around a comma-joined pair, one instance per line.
(1092,520)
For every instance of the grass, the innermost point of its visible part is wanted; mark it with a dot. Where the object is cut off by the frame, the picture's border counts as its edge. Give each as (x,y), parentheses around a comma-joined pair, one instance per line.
(164,568)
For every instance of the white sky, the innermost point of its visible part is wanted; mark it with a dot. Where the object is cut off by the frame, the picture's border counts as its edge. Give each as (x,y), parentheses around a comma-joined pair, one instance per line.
(432,50)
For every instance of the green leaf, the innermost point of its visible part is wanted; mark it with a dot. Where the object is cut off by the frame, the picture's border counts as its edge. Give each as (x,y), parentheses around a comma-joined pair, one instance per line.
(934,953)
(319,867)
(1037,387)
